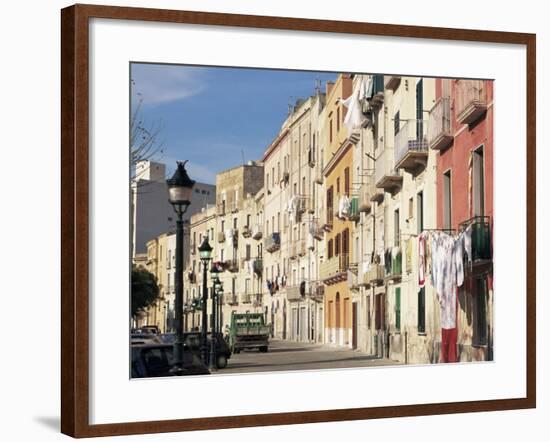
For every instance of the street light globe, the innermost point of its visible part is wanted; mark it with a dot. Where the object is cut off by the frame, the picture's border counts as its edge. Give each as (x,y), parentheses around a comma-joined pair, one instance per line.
(205,250)
(180,188)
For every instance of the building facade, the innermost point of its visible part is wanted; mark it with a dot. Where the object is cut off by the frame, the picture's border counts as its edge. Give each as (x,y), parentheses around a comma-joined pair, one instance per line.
(233,228)
(462,136)
(151,212)
(338,163)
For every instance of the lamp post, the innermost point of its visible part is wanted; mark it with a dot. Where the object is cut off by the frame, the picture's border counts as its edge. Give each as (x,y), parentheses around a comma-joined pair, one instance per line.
(213,340)
(180,188)
(205,254)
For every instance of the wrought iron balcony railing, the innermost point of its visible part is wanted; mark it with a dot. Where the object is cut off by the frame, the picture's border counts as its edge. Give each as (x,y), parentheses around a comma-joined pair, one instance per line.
(440,131)
(411,146)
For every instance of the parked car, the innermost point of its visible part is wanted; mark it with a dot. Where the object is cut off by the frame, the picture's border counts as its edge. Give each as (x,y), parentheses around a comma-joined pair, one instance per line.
(149,329)
(144,338)
(157,360)
(223,352)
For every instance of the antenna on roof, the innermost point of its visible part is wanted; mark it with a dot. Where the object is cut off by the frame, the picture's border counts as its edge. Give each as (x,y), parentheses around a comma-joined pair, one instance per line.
(242,154)
(318,84)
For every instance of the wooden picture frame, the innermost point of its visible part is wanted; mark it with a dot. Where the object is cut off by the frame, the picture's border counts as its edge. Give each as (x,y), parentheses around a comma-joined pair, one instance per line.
(75,219)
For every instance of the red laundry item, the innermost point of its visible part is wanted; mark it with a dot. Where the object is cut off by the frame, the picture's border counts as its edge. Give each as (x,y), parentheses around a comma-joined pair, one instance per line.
(448,345)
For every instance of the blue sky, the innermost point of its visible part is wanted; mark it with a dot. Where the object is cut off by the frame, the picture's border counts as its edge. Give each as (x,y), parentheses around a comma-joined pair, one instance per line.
(210,115)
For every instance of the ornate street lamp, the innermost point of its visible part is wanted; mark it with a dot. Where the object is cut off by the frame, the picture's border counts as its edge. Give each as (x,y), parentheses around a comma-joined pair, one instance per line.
(205,254)
(180,188)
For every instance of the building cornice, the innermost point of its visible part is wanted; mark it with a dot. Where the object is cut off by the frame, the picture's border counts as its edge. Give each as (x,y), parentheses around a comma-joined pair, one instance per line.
(338,155)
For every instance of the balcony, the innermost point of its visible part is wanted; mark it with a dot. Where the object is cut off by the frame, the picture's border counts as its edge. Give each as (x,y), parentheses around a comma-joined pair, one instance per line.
(257,232)
(302,247)
(293,293)
(310,158)
(220,209)
(231,299)
(392,82)
(310,205)
(440,134)
(246,298)
(319,175)
(354,213)
(234,206)
(394,269)
(221,237)
(334,269)
(273,242)
(481,258)
(327,226)
(386,176)
(317,291)
(365,204)
(411,146)
(316,230)
(375,275)
(293,250)
(471,100)
(376,195)
(232,265)
(246,232)
(257,267)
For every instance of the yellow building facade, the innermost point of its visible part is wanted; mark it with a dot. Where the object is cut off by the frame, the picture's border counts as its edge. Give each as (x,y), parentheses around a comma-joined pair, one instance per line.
(340,328)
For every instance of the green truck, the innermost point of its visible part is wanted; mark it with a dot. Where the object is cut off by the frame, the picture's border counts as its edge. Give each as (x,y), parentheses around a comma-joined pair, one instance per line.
(248,330)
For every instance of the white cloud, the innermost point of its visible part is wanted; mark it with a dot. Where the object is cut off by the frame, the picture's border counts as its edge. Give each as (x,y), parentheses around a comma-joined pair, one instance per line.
(164,83)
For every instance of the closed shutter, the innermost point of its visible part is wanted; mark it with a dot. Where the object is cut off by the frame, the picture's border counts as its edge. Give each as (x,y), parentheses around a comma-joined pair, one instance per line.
(422,310)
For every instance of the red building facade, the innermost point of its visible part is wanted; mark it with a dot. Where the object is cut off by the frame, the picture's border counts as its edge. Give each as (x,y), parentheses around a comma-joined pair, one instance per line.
(461,126)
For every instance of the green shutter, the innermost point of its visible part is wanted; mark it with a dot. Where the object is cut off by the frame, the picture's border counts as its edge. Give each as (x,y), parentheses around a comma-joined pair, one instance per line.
(422,310)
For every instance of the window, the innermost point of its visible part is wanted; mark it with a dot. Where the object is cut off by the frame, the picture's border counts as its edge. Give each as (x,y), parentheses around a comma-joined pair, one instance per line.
(379,312)
(329,205)
(248,220)
(396,123)
(272,177)
(478,183)
(447,223)
(278,221)
(422,310)
(278,172)
(398,308)
(480,312)
(247,286)
(267,227)
(330,130)
(337,245)
(304,192)
(222,257)
(396,228)
(419,109)
(411,208)
(329,251)
(346,181)
(338,119)
(369,313)
(267,181)
(233,286)
(420,212)
(235,223)
(248,251)
(223,226)
(338,186)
